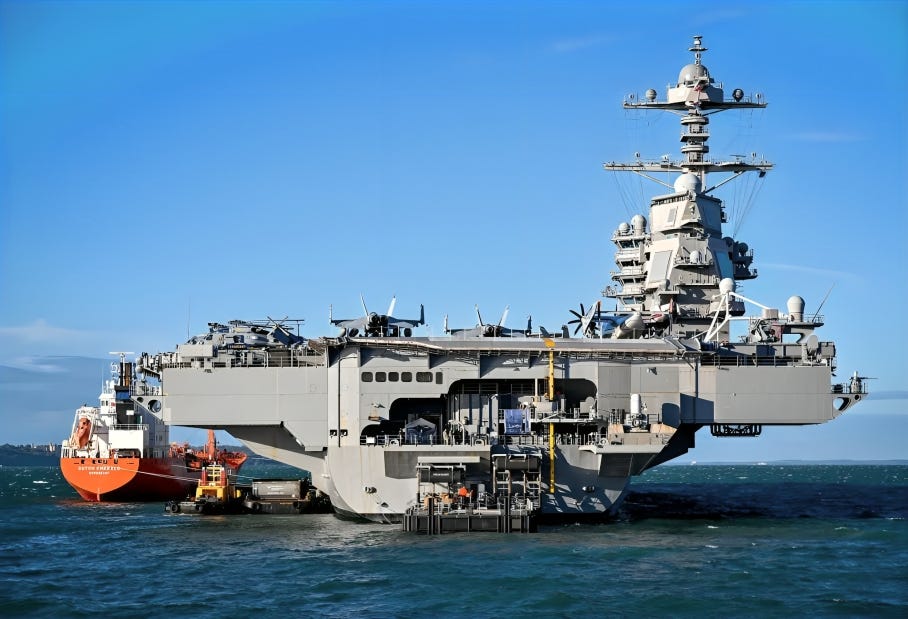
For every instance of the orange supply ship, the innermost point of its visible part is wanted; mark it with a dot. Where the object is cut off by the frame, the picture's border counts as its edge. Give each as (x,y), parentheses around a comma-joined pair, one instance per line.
(120,450)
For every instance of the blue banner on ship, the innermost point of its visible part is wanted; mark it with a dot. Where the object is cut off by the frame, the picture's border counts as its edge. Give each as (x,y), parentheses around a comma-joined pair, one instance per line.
(516,421)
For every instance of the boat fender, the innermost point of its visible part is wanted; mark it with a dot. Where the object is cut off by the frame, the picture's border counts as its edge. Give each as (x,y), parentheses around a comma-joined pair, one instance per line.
(256,507)
(197,507)
(175,508)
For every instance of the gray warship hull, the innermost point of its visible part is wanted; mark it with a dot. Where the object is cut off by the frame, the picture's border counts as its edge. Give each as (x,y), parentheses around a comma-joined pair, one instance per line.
(322,409)
(492,418)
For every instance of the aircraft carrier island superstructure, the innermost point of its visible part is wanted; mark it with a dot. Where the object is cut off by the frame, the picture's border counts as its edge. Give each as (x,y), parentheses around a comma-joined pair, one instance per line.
(388,422)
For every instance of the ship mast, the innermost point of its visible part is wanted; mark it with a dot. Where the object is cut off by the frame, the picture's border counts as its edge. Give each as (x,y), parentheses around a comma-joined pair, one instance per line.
(670,267)
(697,96)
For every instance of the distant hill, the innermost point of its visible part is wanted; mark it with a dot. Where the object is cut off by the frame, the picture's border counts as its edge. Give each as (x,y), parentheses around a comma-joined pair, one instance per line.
(29,455)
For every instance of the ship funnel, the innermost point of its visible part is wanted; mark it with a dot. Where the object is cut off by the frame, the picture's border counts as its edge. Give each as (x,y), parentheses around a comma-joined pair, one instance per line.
(796,308)
(126,369)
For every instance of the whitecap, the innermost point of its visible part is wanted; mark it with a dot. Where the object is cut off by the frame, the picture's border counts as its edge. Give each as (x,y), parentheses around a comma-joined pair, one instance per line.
(39,481)
(711,546)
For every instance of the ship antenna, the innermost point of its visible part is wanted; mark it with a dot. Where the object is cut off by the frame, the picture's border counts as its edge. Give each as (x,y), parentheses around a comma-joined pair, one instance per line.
(697,48)
(823,302)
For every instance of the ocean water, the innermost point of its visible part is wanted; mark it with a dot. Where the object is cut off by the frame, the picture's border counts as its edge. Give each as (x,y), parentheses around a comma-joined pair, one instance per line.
(704,541)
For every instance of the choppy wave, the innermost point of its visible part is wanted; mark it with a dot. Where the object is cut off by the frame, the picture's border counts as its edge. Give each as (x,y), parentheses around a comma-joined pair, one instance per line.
(690,541)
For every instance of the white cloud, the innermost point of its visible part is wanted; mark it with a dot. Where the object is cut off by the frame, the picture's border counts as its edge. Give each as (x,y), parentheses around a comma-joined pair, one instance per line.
(21,345)
(39,331)
(45,365)
(811,270)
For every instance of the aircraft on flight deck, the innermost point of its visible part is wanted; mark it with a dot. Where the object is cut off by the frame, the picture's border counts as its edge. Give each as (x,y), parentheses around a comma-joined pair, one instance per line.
(491,330)
(372,324)
(594,323)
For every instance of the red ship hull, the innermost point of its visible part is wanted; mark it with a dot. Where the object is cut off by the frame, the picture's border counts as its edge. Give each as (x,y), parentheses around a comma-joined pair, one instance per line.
(129,479)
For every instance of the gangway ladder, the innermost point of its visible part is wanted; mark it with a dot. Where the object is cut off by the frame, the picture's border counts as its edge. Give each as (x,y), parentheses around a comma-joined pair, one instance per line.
(517,474)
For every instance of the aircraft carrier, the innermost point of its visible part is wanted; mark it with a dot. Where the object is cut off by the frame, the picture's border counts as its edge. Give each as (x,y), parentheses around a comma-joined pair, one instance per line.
(393,425)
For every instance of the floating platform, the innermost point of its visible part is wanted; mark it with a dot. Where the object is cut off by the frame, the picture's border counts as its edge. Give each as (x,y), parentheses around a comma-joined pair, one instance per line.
(263,496)
(285,496)
(435,518)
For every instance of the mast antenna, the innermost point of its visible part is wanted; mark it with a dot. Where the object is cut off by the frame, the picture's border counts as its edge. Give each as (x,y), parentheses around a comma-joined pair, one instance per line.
(823,302)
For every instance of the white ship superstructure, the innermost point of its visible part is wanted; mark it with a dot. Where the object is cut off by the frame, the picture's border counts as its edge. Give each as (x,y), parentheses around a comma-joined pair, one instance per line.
(389,422)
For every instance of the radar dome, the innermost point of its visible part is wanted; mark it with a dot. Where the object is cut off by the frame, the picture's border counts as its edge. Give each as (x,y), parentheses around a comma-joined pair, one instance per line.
(796,308)
(696,257)
(639,223)
(623,228)
(727,285)
(691,74)
(634,322)
(688,182)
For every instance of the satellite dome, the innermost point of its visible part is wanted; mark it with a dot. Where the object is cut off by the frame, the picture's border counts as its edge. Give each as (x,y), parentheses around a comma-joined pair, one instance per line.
(623,228)
(639,223)
(696,257)
(727,285)
(688,182)
(796,307)
(634,322)
(691,74)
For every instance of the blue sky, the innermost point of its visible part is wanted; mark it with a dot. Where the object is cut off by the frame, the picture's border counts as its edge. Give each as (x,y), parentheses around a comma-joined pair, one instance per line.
(163,165)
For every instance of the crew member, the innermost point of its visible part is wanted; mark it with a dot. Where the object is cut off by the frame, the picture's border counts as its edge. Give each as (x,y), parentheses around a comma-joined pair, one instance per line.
(464,494)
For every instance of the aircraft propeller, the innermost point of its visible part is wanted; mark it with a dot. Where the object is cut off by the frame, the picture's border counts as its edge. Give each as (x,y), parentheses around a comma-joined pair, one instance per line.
(585,320)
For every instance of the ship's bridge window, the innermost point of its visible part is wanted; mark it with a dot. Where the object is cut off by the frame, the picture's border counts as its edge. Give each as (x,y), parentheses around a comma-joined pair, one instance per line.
(366,377)
(393,377)
(406,377)
(424,377)
(380,377)
(439,379)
